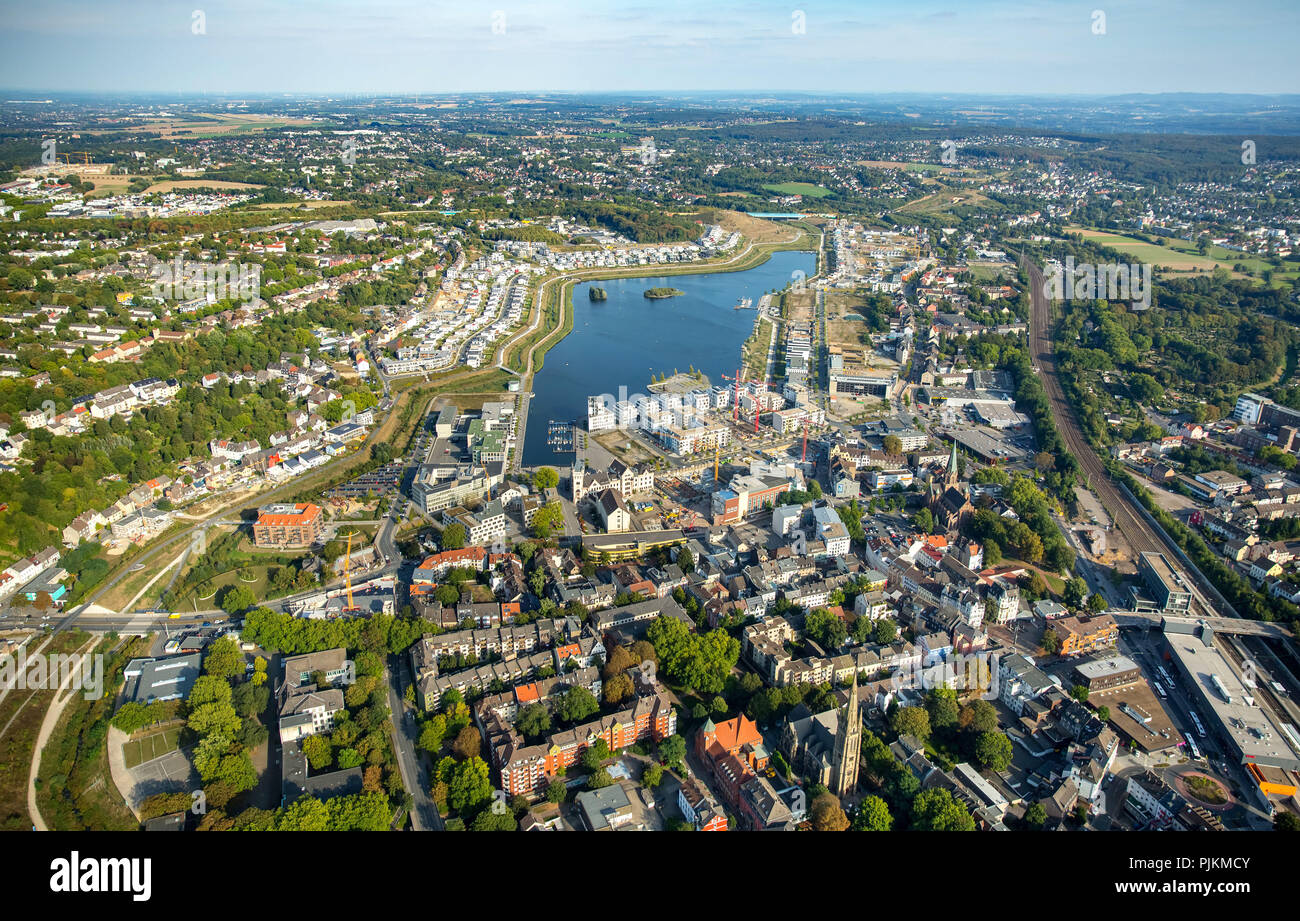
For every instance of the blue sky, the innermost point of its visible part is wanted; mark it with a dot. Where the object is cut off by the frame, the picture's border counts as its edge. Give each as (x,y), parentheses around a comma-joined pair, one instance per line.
(423,46)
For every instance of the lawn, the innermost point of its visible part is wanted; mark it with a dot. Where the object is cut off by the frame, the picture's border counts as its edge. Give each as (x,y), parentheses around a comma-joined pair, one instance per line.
(799,188)
(137,751)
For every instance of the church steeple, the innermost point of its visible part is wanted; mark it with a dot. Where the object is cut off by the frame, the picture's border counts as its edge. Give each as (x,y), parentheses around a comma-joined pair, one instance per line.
(950,478)
(848,746)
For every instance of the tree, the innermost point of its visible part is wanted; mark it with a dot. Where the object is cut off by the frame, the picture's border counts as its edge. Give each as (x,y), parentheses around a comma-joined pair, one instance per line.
(224,659)
(993,750)
(453,536)
(1079,693)
(547,520)
(447,595)
(873,815)
(1036,816)
(318,752)
(1097,603)
(827,814)
(1103,714)
(489,820)
(652,776)
(893,445)
(533,721)
(1286,821)
(618,689)
(468,786)
(936,810)
(432,733)
(825,628)
(599,778)
(620,660)
(911,721)
(924,521)
(978,716)
(556,791)
(236,599)
(545,478)
(1075,591)
(250,699)
(941,705)
(671,751)
(884,630)
(575,705)
(595,755)
(685,561)
(468,743)
(217,718)
(1051,641)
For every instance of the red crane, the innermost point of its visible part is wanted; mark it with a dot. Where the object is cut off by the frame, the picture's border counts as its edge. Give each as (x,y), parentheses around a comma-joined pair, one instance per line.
(735,403)
(803,457)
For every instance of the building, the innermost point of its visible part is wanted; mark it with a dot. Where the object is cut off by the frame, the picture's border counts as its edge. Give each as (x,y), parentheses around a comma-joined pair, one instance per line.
(1169,592)
(699,807)
(1082,635)
(1109,672)
(527,769)
(298,525)
(830,530)
(606,809)
(614,513)
(149,680)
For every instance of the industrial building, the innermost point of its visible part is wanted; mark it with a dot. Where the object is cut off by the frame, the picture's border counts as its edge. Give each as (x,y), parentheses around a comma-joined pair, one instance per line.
(1222,704)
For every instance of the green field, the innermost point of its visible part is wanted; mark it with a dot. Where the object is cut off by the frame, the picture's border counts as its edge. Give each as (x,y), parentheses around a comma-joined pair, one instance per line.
(799,188)
(137,751)
(1181,256)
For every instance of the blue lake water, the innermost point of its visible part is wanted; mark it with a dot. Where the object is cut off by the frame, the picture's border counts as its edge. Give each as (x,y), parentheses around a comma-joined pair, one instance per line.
(627,339)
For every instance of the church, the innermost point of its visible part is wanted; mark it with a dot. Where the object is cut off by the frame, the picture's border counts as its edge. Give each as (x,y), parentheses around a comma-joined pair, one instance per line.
(949,499)
(825,747)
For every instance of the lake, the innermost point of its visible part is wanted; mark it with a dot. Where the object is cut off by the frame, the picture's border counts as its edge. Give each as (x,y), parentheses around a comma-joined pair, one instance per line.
(627,339)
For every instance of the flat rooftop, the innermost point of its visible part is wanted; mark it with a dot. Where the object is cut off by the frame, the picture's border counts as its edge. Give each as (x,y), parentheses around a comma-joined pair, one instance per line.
(1160,567)
(1251,728)
(1111,665)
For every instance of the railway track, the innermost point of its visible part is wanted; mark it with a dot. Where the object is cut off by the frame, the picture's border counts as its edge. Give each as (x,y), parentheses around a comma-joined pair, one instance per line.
(1128,519)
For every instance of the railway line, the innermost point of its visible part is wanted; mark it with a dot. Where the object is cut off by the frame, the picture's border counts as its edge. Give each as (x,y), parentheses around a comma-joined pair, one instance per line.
(1128,519)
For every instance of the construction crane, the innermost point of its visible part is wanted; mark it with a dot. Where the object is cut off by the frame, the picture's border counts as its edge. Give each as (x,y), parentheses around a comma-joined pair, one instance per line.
(347,576)
(717,450)
(803,457)
(735,402)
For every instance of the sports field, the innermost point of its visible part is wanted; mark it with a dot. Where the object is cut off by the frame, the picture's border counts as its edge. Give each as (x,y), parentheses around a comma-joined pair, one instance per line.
(137,751)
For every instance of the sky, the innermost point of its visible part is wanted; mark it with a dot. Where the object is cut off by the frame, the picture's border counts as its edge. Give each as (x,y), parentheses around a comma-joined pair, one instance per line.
(332,47)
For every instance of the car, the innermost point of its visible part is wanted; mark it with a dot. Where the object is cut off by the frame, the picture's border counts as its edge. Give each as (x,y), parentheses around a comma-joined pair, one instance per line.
(207,623)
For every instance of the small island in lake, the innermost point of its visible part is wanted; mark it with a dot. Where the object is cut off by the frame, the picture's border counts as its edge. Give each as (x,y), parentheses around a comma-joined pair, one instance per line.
(597,294)
(658,293)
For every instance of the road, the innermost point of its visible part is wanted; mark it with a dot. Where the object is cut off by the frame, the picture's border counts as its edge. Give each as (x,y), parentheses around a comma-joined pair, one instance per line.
(415,776)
